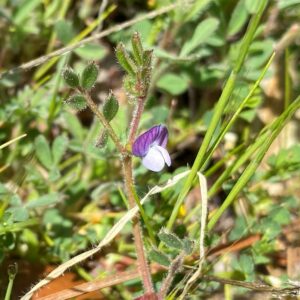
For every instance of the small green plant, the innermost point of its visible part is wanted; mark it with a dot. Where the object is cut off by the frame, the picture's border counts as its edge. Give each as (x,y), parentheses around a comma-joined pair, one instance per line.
(138,69)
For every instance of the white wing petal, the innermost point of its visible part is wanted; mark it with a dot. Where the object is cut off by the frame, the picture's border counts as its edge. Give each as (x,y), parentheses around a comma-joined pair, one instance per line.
(154,160)
(165,155)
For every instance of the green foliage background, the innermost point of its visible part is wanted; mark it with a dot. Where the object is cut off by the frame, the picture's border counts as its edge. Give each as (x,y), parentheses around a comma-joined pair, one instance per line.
(59,194)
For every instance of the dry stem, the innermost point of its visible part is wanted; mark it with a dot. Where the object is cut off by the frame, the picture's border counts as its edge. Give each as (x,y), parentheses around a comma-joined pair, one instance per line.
(256,286)
(38,61)
(95,285)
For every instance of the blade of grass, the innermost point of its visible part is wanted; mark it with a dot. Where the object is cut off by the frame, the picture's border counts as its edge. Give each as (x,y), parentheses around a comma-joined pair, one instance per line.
(274,130)
(12,141)
(18,226)
(228,125)
(42,59)
(144,217)
(57,81)
(210,172)
(237,164)
(204,211)
(287,87)
(219,109)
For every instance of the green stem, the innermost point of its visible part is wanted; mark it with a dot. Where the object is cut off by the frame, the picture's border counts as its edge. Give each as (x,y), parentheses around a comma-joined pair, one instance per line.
(54,103)
(210,172)
(18,226)
(12,272)
(223,161)
(9,289)
(144,216)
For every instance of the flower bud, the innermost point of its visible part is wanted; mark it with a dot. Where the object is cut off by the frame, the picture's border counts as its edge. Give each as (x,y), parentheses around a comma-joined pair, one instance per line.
(103,139)
(137,48)
(125,60)
(147,58)
(110,107)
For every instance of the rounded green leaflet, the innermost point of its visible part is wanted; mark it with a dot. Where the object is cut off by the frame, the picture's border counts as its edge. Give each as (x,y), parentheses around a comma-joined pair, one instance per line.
(89,76)
(170,240)
(137,48)
(188,246)
(70,77)
(110,107)
(159,257)
(77,102)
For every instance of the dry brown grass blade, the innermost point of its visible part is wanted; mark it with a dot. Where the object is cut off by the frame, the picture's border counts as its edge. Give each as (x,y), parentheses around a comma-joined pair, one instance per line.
(38,61)
(234,246)
(92,286)
(12,141)
(113,232)
(256,286)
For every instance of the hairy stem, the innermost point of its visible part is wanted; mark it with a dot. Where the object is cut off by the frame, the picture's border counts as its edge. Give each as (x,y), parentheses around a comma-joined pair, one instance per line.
(136,120)
(174,268)
(93,107)
(139,245)
(129,184)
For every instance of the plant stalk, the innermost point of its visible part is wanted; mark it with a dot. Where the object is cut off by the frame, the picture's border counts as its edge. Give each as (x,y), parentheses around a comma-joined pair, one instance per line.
(137,233)
(136,120)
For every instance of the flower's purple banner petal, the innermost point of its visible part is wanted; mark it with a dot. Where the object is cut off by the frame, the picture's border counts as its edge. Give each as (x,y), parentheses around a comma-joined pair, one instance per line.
(156,135)
(154,160)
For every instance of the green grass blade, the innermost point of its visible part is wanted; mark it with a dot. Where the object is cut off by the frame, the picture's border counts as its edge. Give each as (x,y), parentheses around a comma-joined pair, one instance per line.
(144,217)
(219,109)
(274,130)
(228,125)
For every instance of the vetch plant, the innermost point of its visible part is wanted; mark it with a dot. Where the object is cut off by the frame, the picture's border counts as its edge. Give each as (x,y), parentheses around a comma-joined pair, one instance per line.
(150,146)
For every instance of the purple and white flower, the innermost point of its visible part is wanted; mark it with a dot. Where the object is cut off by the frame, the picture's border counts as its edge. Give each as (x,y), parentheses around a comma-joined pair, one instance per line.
(151,147)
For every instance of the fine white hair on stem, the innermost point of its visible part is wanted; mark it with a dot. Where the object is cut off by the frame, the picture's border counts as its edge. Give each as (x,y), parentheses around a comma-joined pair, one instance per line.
(114,231)
(204,200)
